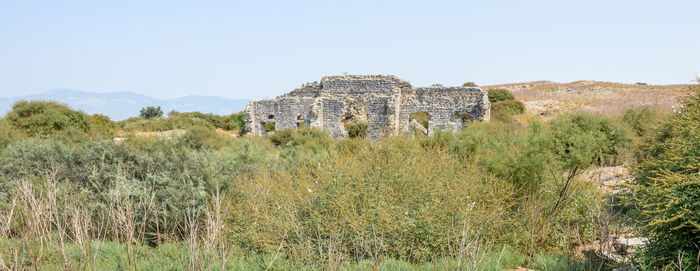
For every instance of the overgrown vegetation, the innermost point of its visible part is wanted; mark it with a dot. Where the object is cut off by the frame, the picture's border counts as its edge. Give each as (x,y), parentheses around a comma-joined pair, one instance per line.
(495,196)
(504,105)
(357,129)
(665,194)
(183,121)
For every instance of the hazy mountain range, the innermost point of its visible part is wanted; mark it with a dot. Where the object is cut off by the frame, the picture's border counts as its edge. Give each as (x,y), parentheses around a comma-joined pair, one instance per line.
(122,105)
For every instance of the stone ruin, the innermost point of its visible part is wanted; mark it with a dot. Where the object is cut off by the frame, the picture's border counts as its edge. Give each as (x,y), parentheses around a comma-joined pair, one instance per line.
(387,104)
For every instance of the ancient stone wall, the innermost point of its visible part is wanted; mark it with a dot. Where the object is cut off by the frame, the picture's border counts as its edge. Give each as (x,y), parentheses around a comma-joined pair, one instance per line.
(386,103)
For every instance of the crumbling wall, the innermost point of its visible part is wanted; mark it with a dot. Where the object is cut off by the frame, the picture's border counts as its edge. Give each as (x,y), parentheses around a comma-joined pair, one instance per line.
(385,102)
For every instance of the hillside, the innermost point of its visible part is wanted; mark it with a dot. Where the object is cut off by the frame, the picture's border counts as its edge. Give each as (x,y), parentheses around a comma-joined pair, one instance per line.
(548,99)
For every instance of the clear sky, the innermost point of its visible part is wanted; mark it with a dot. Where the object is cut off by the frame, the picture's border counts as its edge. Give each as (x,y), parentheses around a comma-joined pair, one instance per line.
(256,49)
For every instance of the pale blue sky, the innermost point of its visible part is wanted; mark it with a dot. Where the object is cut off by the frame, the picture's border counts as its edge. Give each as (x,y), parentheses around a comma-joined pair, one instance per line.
(257,49)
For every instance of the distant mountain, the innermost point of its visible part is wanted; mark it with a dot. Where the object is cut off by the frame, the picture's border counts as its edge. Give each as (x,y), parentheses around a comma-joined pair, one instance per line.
(122,105)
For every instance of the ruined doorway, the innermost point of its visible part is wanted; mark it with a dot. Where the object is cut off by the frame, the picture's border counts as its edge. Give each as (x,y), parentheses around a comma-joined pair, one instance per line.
(301,122)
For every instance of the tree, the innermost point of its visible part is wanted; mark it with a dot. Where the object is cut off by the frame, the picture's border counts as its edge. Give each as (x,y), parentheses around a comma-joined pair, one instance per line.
(469,84)
(499,95)
(151,112)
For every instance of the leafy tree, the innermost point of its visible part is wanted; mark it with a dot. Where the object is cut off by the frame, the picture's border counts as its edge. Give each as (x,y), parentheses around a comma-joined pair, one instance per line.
(499,94)
(665,193)
(151,112)
(469,84)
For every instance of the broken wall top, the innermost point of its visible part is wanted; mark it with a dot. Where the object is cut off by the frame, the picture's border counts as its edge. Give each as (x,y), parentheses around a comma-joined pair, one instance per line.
(351,84)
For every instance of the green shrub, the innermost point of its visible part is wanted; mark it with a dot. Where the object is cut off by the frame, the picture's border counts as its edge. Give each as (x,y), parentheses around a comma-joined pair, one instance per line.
(583,140)
(499,94)
(510,106)
(198,137)
(235,121)
(101,125)
(185,120)
(8,134)
(469,84)
(151,112)
(503,111)
(504,105)
(664,193)
(357,129)
(269,127)
(45,118)
(642,120)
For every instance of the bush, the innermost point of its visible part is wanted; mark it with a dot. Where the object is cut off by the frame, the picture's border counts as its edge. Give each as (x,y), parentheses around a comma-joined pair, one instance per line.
(102,126)
(45,118)
(499,94)
(269,127)
(512,107)
(185,120)
(642,120)
(469,84)
(235,121)
(151,112)
(504,105)
(583,140)
(199,137)
(503,111)
(7,134)
(664,193)
(356,129)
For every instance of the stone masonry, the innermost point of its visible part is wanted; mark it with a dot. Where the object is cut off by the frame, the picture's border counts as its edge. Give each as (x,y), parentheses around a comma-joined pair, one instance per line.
(386,103)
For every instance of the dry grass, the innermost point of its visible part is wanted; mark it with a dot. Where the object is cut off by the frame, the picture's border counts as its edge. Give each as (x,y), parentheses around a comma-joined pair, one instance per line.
(549,99)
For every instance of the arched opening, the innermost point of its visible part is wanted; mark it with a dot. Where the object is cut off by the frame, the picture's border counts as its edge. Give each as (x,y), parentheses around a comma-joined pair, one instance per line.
(271,117)
(301,122)
(419,121)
